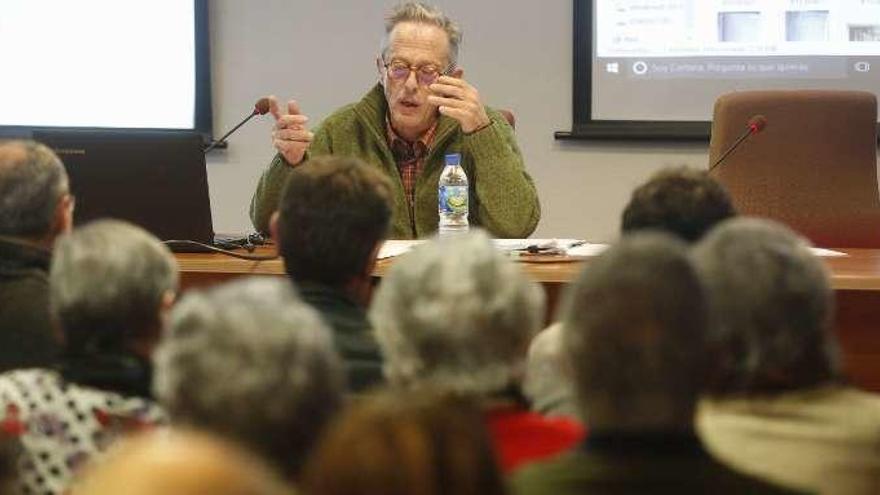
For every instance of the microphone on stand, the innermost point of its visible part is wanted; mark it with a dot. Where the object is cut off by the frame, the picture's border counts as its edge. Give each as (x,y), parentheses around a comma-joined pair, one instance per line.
(260,108)
(755,125)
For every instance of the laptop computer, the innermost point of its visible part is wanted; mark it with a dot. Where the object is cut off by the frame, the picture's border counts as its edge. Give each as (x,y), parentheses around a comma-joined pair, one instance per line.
(155,179)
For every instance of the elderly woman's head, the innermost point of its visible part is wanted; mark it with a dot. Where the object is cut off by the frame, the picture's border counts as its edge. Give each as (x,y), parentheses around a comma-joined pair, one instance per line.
(772,309)
(253,363)
(109,283)
(457,314)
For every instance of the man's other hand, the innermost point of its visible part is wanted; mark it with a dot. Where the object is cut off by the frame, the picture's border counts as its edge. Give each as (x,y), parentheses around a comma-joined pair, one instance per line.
(290,136)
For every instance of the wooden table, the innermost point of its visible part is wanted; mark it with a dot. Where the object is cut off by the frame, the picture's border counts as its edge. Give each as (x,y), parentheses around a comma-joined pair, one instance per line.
(855,279)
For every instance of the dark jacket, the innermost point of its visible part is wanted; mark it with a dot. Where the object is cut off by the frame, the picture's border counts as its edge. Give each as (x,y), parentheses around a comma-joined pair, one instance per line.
(352,333)
(27,336)
(651,463)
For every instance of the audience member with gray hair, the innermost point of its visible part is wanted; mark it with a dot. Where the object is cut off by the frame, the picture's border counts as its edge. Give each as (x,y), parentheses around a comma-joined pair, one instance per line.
(456,314)
(776,406)
(251,362)
(634,331)
(35,207)
(111,284)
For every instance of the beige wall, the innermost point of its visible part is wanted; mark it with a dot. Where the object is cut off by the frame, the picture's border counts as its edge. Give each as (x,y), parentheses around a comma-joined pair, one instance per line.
(516,52)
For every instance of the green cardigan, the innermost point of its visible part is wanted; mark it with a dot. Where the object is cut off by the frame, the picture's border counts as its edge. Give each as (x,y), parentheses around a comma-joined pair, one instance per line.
(503,199)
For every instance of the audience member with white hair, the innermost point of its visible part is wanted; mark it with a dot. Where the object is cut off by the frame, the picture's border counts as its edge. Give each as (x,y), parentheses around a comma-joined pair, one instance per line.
(253,363)
(111,284)
(776,405)
(456,314)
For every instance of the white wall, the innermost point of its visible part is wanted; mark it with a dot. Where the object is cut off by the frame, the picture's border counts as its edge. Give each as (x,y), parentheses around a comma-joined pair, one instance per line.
(518,53)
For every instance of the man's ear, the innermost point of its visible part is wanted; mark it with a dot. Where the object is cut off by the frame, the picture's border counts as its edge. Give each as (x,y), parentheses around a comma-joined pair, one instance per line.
(66,206)
(360,287)
(169,297)
(374,257)
(380,70)
(62,220)
(457,73)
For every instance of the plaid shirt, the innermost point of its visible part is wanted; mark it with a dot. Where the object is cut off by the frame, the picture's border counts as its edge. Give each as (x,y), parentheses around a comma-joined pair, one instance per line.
(410,158)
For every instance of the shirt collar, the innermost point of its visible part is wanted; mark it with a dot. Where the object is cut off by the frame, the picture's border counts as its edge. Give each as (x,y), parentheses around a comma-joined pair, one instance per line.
(399,145)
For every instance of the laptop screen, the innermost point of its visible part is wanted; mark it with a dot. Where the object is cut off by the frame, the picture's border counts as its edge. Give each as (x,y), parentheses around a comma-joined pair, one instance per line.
(155,179)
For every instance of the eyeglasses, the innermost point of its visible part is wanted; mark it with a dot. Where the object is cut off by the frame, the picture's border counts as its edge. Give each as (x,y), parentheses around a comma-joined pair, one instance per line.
(426,75)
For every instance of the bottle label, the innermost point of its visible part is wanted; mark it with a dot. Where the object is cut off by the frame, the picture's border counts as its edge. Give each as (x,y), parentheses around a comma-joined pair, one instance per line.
(454,200)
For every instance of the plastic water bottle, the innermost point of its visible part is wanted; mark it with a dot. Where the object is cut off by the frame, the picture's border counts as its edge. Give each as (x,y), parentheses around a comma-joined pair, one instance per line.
(452,193)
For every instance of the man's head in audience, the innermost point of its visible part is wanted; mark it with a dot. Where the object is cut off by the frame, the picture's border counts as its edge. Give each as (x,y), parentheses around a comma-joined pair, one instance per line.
(634,332)
(682,201)
(455,313)
(111,284)
(253,363)
(35,201)
(772,307)
(399,442)
(179,463)
(332,218)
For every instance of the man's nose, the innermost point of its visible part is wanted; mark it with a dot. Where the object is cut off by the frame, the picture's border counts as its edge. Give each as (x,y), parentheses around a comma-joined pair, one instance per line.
(412,82)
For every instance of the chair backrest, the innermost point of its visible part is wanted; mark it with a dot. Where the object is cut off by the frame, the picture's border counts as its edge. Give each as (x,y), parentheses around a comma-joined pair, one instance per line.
(814,166)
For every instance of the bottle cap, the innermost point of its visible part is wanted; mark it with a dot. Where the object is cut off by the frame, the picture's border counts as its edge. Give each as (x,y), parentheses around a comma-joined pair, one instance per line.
(453,159)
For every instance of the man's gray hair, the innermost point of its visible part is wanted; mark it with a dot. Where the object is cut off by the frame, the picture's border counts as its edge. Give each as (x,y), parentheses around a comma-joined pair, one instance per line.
(422,13)
(773,309)
(32,181)
(107,283)
(455,313)
(633,330)
(252,362)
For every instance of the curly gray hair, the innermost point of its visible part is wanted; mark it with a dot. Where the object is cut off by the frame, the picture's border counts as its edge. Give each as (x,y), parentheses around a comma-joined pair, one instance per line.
(457,314)
(107,284)
(772,306)
(251,362)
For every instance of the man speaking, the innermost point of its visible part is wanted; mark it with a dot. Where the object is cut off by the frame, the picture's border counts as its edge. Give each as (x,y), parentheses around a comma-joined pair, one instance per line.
(420,110)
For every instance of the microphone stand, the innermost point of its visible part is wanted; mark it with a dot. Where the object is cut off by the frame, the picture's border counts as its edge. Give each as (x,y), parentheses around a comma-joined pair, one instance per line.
(222,139)
(752,128)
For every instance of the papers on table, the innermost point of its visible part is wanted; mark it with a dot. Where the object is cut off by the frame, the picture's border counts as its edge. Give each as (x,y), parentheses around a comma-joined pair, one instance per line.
(826,253)
(572,248)
(515,247)
(394,247)
(587,250)
(537,246)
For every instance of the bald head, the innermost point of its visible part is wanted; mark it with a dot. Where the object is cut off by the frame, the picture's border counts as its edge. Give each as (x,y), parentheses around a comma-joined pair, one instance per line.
(179,463)
(34,199)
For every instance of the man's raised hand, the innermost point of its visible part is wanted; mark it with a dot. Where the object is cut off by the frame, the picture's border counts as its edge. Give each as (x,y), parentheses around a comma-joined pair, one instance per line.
(290,136)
